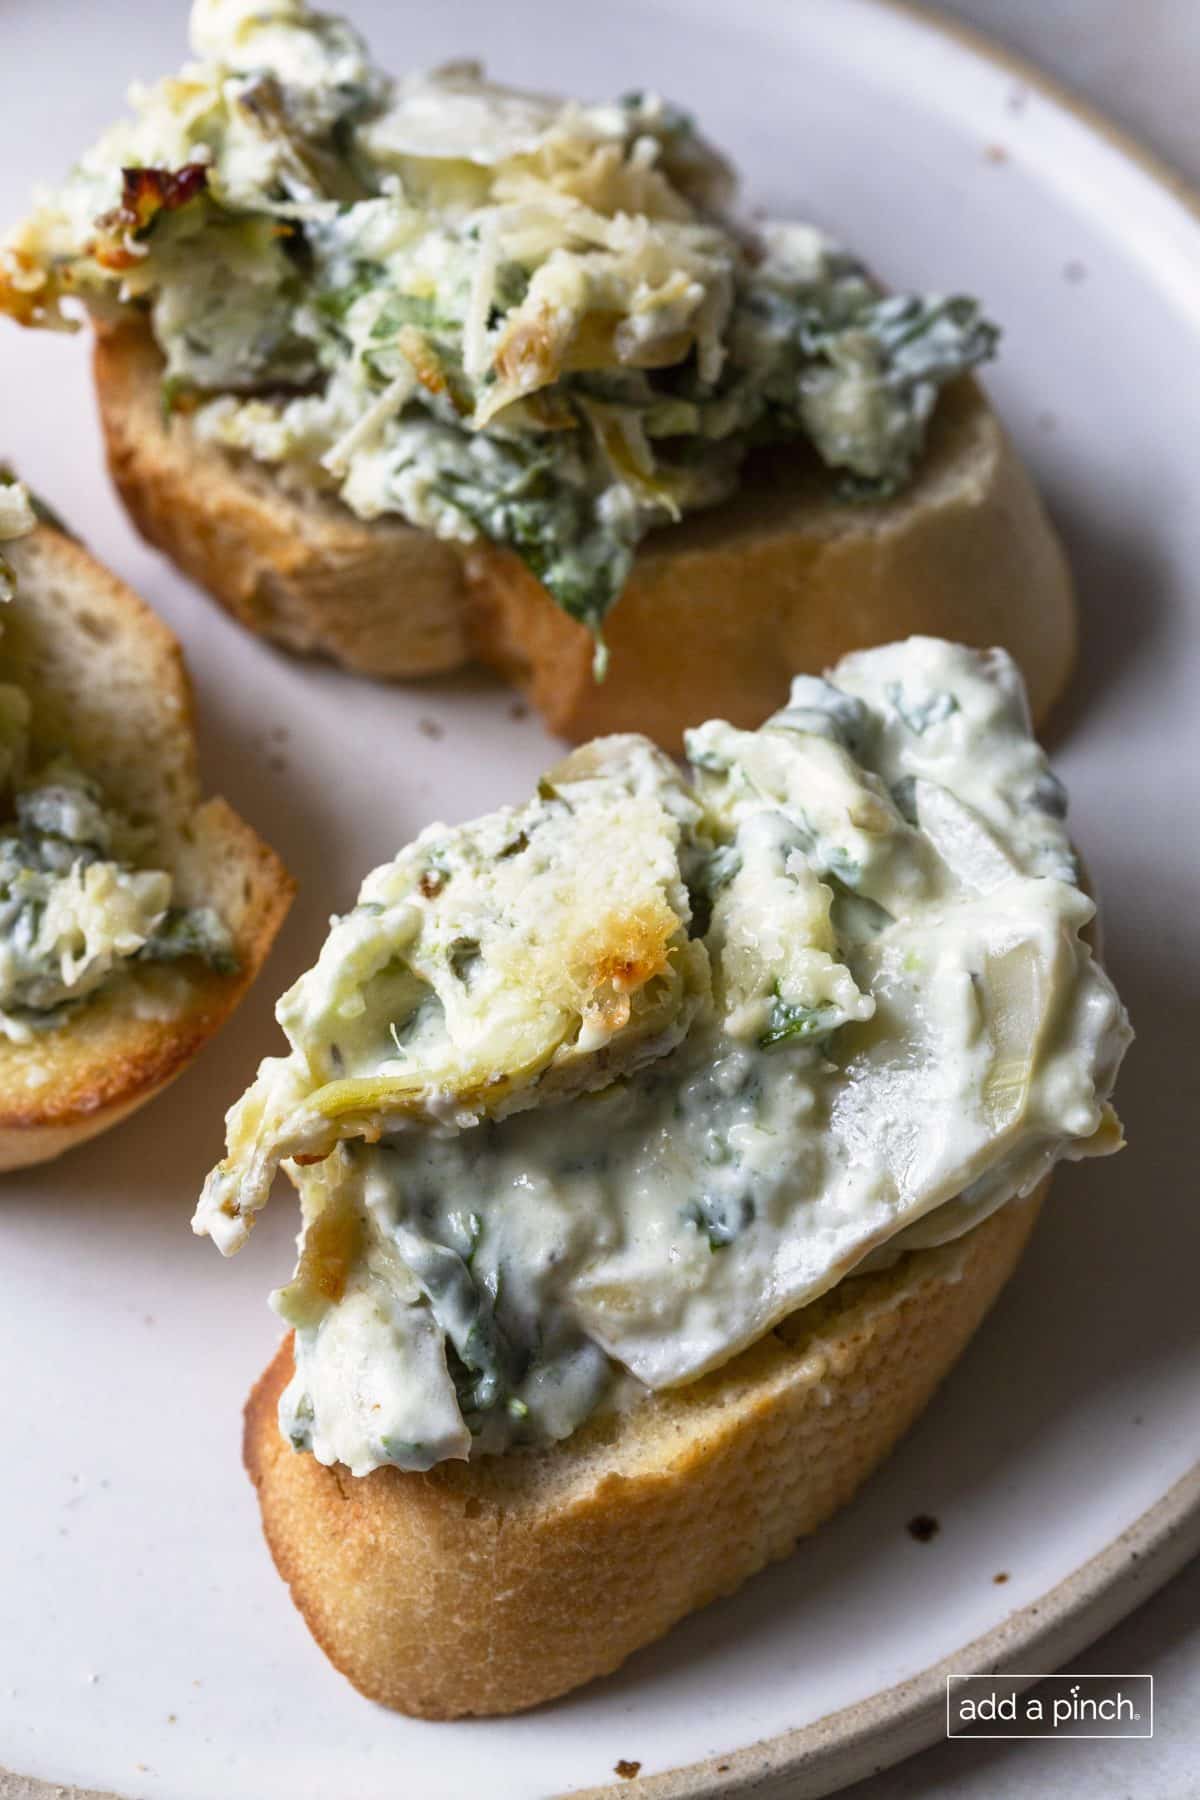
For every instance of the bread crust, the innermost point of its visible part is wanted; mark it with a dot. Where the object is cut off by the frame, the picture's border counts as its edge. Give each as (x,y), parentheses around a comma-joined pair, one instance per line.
(298,568)
(108,684)
(719,612)
(492,1586)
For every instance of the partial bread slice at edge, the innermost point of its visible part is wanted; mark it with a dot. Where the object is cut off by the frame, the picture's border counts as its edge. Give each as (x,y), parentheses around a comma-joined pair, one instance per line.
(491,1586)
(719,613)
(108,684)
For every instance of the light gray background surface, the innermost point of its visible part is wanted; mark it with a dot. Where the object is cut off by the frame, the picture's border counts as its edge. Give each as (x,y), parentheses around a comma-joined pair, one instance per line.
(1138,60)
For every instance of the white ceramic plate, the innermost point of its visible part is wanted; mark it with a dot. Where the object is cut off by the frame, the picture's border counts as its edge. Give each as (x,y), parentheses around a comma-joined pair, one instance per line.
(146,1644)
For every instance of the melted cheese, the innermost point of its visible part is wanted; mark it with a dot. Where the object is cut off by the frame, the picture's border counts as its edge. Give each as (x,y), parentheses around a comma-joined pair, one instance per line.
(856,1014)
(495,313)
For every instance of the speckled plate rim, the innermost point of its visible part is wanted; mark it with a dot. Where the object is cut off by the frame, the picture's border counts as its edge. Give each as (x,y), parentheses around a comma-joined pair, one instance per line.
(860,1740)
(874,1734)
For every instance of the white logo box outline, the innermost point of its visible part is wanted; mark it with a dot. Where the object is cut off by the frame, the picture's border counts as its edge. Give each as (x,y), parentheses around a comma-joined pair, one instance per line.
(1031,1680)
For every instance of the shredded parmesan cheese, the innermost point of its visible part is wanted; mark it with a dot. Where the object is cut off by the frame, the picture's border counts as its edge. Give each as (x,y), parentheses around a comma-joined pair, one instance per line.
(476,349)
(393,398)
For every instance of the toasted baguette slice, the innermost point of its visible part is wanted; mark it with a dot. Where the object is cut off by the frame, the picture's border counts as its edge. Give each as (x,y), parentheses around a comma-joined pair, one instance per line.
(490,1586)
(108,684)
(719,613)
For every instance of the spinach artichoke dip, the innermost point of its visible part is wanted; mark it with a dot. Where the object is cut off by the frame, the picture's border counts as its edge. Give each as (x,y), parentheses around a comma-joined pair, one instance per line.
(586,1095)
(75,906)
(496,314)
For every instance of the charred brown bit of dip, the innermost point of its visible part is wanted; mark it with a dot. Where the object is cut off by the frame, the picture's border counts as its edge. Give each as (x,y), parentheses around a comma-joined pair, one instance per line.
(145,193)
(27,304)
(637,957)
(923,1528)
(431,372)
(530,353)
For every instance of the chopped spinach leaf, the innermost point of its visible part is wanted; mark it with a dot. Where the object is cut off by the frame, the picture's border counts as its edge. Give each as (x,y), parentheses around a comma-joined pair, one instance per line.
(791,1024)
(712,874)
(720,1220)
(1048,795)
(920,715)
(195,931)
(818,707)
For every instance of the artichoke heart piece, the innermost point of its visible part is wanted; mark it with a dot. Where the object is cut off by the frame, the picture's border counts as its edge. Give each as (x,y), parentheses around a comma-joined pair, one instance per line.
(1015,991)
(531,955)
